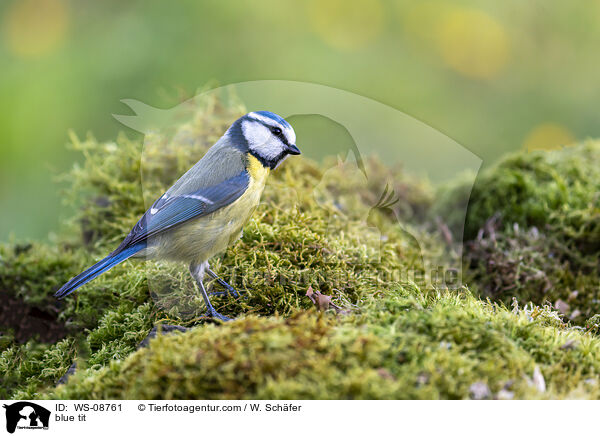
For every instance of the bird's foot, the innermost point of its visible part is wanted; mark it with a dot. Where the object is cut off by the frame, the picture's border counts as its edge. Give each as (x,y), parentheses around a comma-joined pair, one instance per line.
(212,313)
(231,292)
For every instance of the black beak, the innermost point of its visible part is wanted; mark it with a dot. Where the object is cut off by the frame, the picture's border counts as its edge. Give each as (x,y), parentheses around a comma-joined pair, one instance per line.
(292,149)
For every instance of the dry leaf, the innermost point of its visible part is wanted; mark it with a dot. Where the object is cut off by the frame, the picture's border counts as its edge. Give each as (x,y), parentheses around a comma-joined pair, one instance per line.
(323,301)
(310,294)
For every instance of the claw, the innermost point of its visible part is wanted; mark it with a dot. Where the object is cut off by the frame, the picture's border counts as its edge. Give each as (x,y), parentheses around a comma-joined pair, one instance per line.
(197,271)
(212,313)
(229,290)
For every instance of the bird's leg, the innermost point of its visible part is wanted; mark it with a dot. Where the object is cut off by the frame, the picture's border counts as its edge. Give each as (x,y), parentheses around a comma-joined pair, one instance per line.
(229,289)
(197,272)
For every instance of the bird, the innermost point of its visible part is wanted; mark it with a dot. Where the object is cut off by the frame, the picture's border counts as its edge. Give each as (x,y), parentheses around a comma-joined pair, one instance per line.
(207,207)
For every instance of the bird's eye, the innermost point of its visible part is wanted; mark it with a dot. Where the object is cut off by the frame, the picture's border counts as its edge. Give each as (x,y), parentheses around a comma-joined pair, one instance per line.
(276,131)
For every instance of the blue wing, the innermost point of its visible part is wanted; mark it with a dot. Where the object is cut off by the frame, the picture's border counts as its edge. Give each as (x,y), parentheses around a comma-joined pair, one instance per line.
(168,212)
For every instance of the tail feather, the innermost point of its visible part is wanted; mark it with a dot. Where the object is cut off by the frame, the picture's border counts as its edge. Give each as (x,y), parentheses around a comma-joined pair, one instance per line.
(91,273)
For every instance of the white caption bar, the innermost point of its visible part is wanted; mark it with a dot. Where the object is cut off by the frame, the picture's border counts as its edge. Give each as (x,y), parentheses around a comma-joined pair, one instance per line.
(298,417)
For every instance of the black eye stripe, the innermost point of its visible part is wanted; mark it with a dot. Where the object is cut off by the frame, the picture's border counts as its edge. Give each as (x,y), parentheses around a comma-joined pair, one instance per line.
(277,131)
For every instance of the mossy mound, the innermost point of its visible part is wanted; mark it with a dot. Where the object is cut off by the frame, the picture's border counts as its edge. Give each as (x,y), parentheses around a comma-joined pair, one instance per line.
(555,191)
(402,343)
(293,243)
(533,229)
(533,266)
(322,228)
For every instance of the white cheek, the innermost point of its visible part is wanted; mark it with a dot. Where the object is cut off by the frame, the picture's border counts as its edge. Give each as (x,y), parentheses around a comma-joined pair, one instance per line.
(255,133)
(261,141)
(269,149)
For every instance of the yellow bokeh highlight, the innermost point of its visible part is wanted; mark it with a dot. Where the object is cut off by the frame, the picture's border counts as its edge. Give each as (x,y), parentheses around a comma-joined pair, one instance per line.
(473,43)
(346,25)
(548,136)
(33,28)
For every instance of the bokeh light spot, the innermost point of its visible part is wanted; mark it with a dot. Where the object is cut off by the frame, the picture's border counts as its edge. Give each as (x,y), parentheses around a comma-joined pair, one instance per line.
(548,136)
(35,27)
(473,43)
(346,25)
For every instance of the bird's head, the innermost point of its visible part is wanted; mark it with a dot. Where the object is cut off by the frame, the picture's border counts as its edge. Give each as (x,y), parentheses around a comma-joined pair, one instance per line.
(267,136)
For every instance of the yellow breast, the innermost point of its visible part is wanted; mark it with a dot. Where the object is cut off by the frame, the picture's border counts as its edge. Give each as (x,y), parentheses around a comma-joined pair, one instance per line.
(257,171)
(207,236)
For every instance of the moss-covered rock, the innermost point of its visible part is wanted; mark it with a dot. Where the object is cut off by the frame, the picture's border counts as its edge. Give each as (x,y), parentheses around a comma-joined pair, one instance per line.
(295,241)
(401,344)
(556,191)
(532,229)
(321,228)
(532,266)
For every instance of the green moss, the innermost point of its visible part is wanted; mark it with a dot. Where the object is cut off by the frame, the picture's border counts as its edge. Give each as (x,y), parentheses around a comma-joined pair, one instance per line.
(401,344)
(532,229)
(293,242)
(119,333)
(552,190)
(316,228)
(533,266)
(28,368)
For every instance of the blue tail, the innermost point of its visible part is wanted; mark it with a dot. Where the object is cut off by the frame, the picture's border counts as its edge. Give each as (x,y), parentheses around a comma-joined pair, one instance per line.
(104,265)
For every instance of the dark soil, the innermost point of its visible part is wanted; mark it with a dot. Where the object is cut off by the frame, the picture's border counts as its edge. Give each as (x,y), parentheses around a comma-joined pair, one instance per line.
(27,322)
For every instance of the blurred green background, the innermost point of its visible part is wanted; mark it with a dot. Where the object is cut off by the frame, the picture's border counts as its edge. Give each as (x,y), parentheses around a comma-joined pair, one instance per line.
(494,76)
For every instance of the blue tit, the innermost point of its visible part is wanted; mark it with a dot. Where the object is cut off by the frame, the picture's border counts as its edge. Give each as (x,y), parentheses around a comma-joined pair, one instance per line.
(206,209)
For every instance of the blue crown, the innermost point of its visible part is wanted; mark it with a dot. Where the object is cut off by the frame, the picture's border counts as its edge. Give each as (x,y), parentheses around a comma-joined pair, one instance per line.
(274,117)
